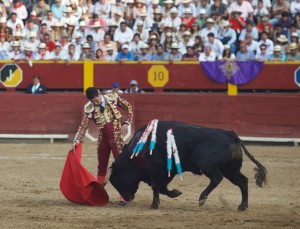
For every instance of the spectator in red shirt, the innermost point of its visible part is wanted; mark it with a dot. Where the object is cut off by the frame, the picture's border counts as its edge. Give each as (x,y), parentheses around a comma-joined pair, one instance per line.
(50,44)
(188,20)
(264,22)
(237,22)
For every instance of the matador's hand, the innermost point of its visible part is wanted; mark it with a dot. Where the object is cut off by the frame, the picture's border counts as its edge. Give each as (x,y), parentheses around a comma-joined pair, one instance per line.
(124,128)
(75,143)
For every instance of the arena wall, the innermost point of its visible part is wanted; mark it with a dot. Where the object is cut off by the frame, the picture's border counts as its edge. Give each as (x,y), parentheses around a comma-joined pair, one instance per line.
(266,115)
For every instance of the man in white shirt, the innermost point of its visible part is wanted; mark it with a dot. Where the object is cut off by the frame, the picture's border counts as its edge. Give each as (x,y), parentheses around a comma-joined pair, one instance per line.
(207,55)
(78,41)
(269,43)
(102,8)
(144,34)
(252,45)
(57,54)
(42,53)
(250,28)
(29,28)
(83,30)
(143,16)
(227,35)
(18,8)
(215,44)
(97,32)
(186,42)
(185,5)
(71,54)
(32,42)
(123,35)
(243,6)
(13,21)
(15,53)
(49,20)
(110,54)
(208,29)
(174,19)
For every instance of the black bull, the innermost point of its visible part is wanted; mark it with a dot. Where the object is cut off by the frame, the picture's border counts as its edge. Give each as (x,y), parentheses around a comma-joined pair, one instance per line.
(216,153)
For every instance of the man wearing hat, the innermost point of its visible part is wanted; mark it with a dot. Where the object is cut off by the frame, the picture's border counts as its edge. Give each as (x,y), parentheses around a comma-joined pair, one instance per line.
(42,53)
(125,54)
(103,111)
(145,55)
(27,54)
(237,21)
(278,55)
(16,52)
(86,53)
(119,6)
(69,19)
(97,32)
(64,42)
(134,88)
(57,54)
(227,35)
(123,35)
(115,89)
(83,30)
(143,33)
(174,54)
(187,4)
(58,9)
(208,29)
(187,41)
(294,54)
(154,6)
(102,8)
(294,39)
(32,42)
(49,20)
(29,28)
(147,22)
(201,19)
(110,54)
(173,19)
(117,19)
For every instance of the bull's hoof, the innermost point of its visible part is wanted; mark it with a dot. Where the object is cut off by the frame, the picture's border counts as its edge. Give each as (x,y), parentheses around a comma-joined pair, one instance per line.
(201,202)
(154,206)
(242,207)
(175,193)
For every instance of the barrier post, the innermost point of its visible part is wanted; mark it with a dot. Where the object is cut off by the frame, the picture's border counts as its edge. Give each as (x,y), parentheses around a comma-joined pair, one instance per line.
(232,89)
(88,74)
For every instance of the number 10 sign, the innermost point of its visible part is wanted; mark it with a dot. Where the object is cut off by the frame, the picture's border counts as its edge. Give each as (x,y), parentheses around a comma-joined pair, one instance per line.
(158,76)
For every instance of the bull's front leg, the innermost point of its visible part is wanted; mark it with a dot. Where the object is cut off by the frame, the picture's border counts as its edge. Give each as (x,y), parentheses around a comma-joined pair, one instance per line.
(155,202)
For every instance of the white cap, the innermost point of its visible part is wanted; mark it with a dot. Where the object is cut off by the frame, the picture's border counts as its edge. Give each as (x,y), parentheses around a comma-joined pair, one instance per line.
(174,46)
(78,35)
(109,47)
(112,23)
(68,10)
(42,46)
(15,44)
(174,10)
(32,34)
(226,46)
(140,22)
(143,13)
(187,33)
(186,1)
(18,34)
(28,48)
(157,11)
(155,2)
(57,24)
(82,23)
(133,82)
(2,19)
(153,37)
(144,46)
(168,24)
(168,1)
(224,23)
(140,1)
(202,11)
(277,48)
(168,34)
(70,22)
(96,25)
(86,45)
(294,34)
(33,13)
(129,1)
(125,46)
(187,11)
(119,12)
(210,20)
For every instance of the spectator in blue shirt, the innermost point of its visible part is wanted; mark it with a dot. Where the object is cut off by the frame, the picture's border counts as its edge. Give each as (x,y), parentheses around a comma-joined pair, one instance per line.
(160,54)
(278,55)
(145,55)
(58,9)
(125,54)
(263,55)
(244,54)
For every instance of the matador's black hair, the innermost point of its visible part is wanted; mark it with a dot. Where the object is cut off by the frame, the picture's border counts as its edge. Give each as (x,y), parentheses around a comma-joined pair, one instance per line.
(91,92)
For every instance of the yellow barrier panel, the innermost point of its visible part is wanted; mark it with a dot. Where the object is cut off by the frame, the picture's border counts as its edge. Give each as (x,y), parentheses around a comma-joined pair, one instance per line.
(88,75)
(232,89)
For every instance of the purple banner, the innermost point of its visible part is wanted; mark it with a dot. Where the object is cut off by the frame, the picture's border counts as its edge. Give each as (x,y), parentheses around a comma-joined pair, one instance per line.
(234,72)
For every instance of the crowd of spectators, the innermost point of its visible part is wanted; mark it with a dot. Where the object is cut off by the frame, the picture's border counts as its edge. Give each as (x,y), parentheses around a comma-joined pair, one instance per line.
(151,30)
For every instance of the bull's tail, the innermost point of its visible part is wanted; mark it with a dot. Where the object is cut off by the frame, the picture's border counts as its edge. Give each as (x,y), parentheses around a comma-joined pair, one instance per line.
(260,170)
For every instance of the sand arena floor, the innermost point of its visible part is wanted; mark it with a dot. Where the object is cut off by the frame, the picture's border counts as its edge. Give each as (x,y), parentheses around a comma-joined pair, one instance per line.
(31,198)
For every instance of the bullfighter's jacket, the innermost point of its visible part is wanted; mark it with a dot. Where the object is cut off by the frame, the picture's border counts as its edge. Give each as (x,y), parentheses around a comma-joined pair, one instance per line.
(110,114)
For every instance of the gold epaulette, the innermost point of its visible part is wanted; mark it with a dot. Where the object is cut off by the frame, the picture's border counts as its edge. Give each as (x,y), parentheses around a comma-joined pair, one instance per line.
(88,107)
(111,96)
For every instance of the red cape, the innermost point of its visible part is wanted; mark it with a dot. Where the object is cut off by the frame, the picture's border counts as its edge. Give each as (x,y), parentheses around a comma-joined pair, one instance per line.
(78,185)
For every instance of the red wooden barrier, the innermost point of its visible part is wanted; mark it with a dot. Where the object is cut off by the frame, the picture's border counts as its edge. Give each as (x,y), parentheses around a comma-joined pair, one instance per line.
(273,115)
(182,76)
